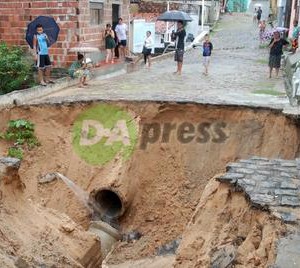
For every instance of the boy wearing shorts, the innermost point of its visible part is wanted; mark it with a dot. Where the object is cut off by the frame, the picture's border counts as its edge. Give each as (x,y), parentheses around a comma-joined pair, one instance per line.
(207,48)
(40,46)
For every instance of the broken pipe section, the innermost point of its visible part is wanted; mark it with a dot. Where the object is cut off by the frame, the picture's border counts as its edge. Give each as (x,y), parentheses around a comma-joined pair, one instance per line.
(112,194)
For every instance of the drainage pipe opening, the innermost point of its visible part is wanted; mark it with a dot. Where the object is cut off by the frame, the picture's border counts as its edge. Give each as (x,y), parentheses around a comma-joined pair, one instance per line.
(109,203)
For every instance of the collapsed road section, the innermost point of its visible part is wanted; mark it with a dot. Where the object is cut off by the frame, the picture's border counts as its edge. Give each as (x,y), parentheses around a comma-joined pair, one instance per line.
(144,170)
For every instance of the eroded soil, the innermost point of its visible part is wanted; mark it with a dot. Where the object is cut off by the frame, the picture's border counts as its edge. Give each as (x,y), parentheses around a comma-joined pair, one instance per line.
(168,173)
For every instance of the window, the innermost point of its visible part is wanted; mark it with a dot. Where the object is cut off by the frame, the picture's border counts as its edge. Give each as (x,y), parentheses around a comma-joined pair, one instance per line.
(96,12)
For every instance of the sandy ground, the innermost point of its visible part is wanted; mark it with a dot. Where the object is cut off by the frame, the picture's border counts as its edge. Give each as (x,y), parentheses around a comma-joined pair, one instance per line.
(154,262)
(32,235)
(224,224)
(169,177)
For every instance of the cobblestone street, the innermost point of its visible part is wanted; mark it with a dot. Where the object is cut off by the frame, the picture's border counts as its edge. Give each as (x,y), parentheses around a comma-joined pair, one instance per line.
(238,72)
(273,185)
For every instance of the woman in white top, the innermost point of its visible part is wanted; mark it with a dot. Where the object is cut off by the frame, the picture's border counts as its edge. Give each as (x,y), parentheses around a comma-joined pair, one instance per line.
(255,16)
(148,44)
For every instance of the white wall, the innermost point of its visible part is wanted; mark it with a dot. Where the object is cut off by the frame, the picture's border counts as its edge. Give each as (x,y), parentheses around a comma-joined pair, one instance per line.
(157,41)
(139,28)
(193,26)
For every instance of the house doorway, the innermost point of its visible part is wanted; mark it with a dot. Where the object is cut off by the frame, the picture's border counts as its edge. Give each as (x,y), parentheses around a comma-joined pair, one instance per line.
(115,17)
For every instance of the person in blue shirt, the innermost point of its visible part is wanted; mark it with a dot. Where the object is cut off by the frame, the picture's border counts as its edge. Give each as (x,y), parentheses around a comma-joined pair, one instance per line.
(41,51)
(207,48)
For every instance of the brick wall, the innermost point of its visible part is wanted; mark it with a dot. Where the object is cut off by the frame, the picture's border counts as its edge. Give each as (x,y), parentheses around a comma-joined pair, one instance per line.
(156,7)
(73,17)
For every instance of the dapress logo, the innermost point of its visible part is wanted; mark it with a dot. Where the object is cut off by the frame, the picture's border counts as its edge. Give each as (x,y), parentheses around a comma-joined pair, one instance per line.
(118,133)
(185,133)
(102,132)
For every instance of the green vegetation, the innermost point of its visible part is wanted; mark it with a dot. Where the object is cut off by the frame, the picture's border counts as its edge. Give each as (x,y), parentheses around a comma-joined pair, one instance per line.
(15,152)
(21,132)
(262,61)
(267,87)
(15,69)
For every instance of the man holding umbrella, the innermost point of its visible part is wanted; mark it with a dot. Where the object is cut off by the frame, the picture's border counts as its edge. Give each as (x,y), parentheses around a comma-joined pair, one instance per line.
(179,37)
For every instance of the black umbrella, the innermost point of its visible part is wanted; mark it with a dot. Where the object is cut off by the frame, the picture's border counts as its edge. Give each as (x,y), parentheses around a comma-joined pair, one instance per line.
(174,15)
(50,28)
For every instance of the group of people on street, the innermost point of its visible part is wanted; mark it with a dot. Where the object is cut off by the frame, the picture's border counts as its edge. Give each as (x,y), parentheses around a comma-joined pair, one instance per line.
(178,37)
(277,44)
(80,67)
(115,38)
(257,15)
(277,40)
(121,33)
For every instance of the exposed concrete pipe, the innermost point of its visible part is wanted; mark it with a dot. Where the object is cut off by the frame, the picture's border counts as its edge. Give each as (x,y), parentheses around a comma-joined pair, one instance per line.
(107,234)
(113,193)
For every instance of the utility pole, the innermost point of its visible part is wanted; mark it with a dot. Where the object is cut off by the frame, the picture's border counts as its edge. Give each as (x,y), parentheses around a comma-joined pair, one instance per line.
(167,31)
(202,16)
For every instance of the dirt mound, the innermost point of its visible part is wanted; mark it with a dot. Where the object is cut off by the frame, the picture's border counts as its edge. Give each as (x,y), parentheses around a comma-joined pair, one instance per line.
(32,235)
(225,230)
(179,148)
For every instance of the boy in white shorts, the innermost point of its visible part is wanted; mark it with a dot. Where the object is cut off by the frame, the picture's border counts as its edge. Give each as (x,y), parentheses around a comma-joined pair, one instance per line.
(207,48)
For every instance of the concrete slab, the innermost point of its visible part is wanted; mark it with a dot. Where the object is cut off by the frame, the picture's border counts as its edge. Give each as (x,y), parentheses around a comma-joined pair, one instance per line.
(288,253)
(155,262)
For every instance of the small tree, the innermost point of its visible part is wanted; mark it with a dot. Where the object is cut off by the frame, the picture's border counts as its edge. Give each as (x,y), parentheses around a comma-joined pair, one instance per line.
(15,69)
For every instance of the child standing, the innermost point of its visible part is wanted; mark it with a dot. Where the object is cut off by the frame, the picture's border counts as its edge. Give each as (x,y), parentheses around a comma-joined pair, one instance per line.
(262,31)
(207,48)
(41,52)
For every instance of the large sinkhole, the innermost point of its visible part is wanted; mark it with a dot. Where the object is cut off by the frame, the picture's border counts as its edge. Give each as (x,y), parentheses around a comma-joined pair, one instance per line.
(109,203)
(179,148)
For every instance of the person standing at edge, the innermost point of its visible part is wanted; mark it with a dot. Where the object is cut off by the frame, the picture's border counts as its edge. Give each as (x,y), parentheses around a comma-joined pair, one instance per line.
(276,46)
(259,12)
(254,16)
(110,44)
(41,54)
(295,36)
(121,30)
(179,46)
(148,43)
